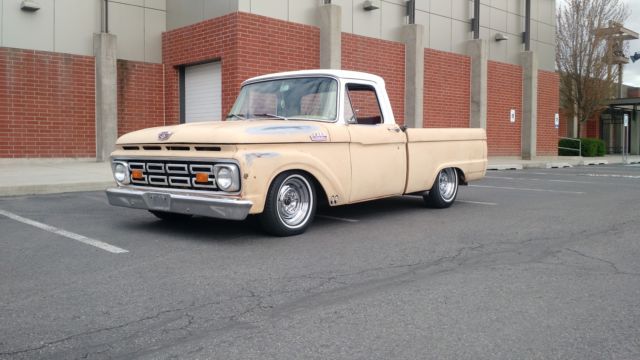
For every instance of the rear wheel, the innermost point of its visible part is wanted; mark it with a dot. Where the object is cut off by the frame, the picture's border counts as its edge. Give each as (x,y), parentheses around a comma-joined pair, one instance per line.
(444,190)
(290,205)
(168,216)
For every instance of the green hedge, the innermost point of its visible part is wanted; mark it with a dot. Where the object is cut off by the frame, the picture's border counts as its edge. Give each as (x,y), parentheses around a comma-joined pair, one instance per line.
(590,147)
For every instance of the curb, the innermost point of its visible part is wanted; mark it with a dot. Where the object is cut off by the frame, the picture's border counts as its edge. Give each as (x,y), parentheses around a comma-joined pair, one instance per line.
(558,165)
(505,167)
(54,188)
(595,162)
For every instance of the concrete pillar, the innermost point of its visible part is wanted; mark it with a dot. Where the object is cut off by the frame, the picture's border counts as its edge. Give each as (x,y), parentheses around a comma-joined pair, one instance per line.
(529,61)
(413,75)
(634,128)
(330,36)
(104,49)
(477,49)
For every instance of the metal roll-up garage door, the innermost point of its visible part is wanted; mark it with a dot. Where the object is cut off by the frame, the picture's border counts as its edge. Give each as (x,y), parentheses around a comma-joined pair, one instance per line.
(203,92)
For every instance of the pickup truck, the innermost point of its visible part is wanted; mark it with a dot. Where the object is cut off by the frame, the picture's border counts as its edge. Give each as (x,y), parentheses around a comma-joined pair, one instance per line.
(291,141)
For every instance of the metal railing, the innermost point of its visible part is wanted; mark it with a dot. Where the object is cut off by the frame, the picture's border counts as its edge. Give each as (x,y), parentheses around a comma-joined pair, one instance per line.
(579,149)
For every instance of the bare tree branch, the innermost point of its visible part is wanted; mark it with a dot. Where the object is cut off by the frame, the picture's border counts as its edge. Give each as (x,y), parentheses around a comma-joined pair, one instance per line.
(583,58)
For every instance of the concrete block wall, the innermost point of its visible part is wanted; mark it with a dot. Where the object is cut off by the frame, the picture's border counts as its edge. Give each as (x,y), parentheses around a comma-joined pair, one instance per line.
(446,22)
(247,44)
(67,26)
(47,104)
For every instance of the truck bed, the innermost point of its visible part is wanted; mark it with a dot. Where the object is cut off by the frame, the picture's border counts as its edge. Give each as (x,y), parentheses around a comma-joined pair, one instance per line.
(430,150)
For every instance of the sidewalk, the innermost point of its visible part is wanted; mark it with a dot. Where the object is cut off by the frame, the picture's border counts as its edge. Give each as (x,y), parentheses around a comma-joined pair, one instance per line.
(548,162)
(42,176)
(47,176)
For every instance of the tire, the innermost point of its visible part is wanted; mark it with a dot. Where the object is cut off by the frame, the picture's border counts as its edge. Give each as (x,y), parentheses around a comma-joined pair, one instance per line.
(290,205)
(444,190)
(168,216)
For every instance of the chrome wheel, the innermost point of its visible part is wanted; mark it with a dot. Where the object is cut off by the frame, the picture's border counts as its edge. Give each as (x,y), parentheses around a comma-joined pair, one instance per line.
(444,190)
(448,184)
(294,201)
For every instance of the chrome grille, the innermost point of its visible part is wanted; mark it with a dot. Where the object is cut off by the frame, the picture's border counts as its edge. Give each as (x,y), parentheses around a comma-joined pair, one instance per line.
(172,174)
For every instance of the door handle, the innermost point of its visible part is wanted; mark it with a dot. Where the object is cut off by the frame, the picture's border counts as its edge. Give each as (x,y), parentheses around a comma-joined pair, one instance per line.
(395,129)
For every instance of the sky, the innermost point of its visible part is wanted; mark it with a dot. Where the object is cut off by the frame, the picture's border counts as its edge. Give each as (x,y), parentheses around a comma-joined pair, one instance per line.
(631,72)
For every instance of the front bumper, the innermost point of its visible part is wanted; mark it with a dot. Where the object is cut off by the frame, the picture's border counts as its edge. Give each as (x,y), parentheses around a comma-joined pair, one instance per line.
(182,203)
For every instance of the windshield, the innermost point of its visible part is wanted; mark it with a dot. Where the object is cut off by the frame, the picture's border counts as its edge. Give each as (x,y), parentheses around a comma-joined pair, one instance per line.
(299,99)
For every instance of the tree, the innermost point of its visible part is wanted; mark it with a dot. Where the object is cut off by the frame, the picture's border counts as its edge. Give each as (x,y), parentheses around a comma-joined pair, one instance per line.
(583,58)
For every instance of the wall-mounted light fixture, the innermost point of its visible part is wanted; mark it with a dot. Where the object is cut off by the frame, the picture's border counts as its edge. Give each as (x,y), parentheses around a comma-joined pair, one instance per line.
(411,11)
(501,37)
(29,5)
(369,6)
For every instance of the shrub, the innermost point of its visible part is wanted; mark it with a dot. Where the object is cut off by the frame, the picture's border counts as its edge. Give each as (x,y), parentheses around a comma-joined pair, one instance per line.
(568,143)
(602,151)
(590,147)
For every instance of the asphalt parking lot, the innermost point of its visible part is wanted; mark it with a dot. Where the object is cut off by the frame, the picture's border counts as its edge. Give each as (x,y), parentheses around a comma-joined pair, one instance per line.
(531,264)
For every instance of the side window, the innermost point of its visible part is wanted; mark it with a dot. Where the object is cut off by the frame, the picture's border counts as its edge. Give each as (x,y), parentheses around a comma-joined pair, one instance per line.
(365,104)
(349,116)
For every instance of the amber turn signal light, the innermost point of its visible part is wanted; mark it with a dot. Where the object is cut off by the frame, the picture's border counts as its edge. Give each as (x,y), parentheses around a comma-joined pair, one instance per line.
(202,177)
(137,175)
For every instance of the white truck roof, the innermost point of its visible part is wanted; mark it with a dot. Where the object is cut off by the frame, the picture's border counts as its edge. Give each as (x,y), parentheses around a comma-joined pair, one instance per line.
(340,74)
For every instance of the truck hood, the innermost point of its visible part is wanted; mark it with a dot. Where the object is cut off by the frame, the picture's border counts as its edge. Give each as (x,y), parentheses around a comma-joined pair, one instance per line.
(232,132)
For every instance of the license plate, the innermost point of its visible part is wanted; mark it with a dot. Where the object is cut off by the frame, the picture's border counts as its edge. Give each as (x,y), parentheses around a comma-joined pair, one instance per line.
(156,201)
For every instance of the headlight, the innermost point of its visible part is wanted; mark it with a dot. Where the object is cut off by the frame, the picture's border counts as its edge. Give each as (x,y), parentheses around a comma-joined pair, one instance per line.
(121,173)
(227,177)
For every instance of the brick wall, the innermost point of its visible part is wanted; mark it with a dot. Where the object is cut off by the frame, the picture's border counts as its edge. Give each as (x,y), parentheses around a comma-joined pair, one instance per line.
(504,92)
(140,95)
(247,45)
(380,57)
(214,39)
(266,45)
(591,128)
(47,104)
(548,104)
(447,89)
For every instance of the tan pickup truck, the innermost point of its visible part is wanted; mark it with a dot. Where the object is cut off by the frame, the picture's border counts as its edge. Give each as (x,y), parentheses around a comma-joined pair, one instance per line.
(293,140)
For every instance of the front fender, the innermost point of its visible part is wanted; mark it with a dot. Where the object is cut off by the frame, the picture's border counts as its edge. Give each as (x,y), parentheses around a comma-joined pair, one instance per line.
(328,163)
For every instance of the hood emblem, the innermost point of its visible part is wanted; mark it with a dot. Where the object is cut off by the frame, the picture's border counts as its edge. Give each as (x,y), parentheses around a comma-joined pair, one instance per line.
(318,136)
(164,136)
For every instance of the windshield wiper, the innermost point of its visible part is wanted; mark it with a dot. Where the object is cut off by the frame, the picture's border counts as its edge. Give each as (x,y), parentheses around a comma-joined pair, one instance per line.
(271,116)
(236,116)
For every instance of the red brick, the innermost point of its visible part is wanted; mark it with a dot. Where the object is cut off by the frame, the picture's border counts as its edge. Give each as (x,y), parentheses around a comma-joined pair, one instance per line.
(47,102)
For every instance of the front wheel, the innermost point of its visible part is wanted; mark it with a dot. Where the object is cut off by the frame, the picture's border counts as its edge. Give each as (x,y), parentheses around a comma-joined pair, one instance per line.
(290,205)
(444,190)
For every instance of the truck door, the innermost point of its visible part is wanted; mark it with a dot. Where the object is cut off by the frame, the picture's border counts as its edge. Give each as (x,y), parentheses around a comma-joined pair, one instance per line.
(377,149)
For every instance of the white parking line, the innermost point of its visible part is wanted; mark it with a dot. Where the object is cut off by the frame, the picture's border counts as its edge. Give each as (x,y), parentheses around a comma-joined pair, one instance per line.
(595,175)
(83,239)
(477,202)
(337,218)
(466,201)
(538,179)
(527,189)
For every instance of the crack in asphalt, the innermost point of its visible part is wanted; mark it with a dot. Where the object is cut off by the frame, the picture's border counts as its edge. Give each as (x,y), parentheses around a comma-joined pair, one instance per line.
(613,265)
(157,315)
(342,288)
